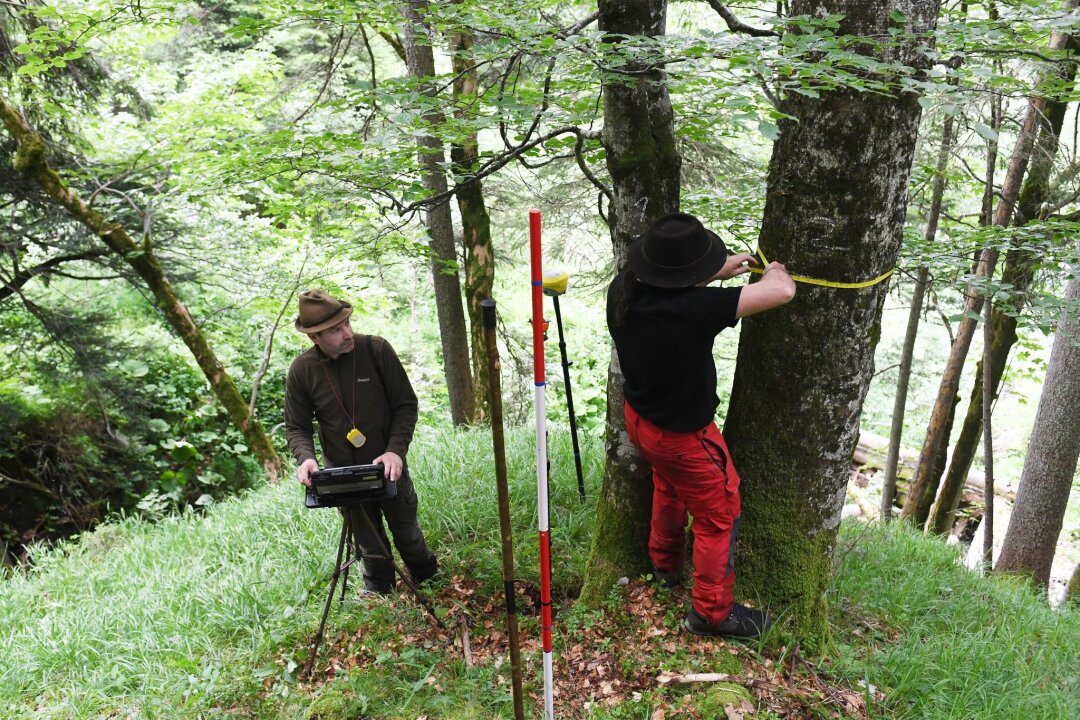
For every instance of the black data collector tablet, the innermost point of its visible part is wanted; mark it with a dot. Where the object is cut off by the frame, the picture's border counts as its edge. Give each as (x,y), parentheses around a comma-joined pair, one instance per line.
(334,487)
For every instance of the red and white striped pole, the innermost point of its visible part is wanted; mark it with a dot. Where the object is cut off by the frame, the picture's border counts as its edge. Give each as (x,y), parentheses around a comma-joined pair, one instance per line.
(541,458)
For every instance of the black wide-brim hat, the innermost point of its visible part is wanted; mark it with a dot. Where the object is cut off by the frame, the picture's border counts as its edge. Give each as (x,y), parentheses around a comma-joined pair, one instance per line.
(319,311)
(677,251)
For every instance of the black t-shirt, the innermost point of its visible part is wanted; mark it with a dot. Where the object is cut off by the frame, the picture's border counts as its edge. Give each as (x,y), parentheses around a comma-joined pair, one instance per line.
(665,347)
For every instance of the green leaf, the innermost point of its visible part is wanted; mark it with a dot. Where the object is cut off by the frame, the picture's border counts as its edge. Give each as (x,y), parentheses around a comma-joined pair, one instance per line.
(135,368)
(986,131)
(898,17)
(768,129)
(157,425)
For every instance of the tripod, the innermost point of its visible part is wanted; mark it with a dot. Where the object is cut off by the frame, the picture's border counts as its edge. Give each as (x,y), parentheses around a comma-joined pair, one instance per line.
(350,551)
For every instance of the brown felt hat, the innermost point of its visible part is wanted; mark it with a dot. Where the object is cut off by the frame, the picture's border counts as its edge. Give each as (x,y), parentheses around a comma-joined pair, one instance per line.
(677,251)
(319,311)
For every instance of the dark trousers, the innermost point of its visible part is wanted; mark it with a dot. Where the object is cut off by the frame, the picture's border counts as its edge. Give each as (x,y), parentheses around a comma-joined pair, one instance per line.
(400,514)
(692,473)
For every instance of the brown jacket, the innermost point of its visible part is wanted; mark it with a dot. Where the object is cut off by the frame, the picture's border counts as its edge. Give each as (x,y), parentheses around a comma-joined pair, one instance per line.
(325,390)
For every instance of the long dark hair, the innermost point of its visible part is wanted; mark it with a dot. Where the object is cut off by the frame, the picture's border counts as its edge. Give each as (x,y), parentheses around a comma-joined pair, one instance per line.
(624,301)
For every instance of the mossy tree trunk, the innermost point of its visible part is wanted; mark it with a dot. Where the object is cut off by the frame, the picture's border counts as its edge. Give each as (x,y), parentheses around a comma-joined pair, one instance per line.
(639,138)
(420,59)
(1051,459)
(31,161)
(924,484)
(475,222)
(1018,273)
(834,208)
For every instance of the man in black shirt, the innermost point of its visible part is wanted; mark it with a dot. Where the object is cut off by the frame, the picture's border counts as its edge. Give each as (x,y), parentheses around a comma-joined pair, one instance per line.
(664,319)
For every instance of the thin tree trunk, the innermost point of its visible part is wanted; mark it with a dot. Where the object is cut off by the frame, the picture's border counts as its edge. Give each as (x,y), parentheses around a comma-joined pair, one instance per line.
(935,463)
(30,160)
(1072,591)
(924,482)
(475,222)
(1051,459)
(1018,273)
(834,208)
(643,161)
(420,60)
(988,436)
(888,492)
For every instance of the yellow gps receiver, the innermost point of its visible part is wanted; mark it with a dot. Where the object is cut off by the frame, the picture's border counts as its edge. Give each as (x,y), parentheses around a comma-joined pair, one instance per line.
(555,282)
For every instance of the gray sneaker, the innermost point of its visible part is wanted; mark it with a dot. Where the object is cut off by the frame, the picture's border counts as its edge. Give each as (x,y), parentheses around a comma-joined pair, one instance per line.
(743,623)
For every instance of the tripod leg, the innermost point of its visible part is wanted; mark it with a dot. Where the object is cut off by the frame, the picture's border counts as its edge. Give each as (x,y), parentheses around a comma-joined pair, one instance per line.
(407,580)
(314,650)
(350,553)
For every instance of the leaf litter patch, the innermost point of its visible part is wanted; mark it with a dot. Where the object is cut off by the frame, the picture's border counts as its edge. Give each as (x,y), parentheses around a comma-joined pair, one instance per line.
(634,651)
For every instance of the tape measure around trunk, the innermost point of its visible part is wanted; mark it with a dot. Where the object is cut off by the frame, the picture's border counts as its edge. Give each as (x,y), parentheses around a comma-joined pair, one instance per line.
(823,283)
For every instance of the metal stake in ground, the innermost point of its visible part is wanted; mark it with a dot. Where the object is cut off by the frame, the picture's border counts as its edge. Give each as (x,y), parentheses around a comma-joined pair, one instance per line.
(541,460)
(555,285)
(495,392)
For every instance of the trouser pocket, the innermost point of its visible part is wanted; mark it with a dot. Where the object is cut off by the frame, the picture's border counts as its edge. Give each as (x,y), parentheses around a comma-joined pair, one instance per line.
(731,546)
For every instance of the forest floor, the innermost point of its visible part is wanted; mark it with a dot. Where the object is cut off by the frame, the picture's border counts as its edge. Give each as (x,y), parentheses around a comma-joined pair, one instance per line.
(635,652)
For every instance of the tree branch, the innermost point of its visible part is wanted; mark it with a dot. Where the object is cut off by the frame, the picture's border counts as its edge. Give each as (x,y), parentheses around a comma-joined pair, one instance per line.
(24,276)
(736,25)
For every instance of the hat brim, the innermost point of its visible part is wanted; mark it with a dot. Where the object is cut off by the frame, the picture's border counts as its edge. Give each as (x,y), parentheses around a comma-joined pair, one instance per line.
(340,316)
(668,277)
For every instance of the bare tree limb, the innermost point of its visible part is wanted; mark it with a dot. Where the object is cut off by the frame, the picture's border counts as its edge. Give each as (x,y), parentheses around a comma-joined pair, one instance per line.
(270,339)
(24,276)
(736,25)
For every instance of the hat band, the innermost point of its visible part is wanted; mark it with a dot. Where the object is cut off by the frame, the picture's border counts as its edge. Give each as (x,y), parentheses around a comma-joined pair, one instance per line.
(328,317)
(645,253)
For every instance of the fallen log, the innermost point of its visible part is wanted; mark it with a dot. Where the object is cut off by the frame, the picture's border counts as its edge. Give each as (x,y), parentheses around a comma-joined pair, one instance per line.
(872,450)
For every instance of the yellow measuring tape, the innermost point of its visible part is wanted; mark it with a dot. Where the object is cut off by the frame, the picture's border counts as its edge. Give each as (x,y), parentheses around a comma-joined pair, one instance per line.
(823,283)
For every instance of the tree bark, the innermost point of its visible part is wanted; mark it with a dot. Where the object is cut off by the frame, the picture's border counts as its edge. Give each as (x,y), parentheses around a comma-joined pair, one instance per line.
(925,481)
(1018,273)
(988,438)
(888,492)
(475,222)
(1051,458)
(420,60)
(30,159)
(834,208)
(642,159)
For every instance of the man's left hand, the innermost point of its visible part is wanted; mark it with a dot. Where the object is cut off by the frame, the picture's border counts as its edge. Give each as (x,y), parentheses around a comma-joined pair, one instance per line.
(736,265)
(392,465)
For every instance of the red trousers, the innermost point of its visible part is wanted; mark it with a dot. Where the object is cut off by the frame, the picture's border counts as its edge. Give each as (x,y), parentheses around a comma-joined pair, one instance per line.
(692,472)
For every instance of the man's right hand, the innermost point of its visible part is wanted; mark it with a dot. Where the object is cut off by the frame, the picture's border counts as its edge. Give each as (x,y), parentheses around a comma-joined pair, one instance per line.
(303,472)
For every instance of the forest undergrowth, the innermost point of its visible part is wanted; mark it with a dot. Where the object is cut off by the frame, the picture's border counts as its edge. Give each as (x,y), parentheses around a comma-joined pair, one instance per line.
(209,614)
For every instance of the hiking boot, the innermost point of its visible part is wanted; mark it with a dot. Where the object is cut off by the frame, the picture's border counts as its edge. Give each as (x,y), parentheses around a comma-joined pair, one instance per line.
(378,586)
(743,623)
(425,572)
(665,578)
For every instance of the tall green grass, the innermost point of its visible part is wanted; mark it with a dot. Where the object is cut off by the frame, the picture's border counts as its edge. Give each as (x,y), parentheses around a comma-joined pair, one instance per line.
(163,620)
(201,615)
(967,646)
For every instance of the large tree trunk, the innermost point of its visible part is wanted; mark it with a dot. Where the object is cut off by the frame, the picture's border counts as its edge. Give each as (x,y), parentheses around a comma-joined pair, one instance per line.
(834,209)
(31,160)
(420,60)
(925,481)
(1051,458)
(475,223)
(1018,272)
(643,162)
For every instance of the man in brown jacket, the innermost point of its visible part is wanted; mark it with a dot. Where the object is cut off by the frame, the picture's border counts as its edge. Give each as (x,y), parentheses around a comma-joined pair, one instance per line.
(355,387)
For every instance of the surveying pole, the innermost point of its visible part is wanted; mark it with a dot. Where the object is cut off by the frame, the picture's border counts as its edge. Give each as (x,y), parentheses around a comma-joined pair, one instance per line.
(541,460)
(555,283)
(498,445)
